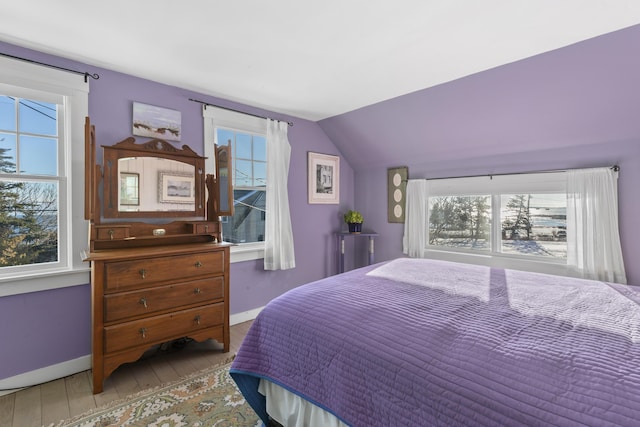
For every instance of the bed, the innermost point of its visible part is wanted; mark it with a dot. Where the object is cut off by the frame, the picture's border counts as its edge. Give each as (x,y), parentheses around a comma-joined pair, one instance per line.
(417,342)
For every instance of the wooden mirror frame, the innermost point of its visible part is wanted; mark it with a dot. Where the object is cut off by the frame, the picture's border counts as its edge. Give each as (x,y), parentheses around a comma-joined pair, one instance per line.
(155,148)
(112,229)
(224,169)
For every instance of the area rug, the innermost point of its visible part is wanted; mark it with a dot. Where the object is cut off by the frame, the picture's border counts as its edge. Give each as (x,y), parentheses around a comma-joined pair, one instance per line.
(208,398)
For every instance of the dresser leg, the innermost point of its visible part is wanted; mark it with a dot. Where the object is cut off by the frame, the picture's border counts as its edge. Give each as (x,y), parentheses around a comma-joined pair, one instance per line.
(97,383)
(227,339)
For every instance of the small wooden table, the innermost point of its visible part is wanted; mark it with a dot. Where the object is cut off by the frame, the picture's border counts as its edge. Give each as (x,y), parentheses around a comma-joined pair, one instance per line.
(371,235)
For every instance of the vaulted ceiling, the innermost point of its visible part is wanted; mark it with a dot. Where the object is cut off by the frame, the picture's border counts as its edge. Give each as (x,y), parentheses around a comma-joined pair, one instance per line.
(308,59)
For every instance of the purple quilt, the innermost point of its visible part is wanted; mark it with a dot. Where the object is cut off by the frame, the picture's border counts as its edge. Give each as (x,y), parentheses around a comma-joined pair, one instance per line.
(416,342)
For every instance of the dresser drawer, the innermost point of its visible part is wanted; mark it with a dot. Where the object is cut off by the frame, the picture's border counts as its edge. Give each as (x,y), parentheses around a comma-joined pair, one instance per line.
(112,232)
(157,329)
(140,273)
(210,227)
(151,300)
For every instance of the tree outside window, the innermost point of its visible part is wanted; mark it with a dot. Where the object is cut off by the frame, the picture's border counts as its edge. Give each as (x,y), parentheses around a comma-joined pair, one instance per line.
(534,224)
(460,222)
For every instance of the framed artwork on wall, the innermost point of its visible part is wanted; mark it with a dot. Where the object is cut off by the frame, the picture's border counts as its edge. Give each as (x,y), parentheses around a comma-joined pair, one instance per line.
(396,193)
(324,178)
(156,122)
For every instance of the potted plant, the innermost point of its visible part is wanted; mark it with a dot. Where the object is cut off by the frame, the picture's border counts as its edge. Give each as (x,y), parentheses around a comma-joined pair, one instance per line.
(354,220)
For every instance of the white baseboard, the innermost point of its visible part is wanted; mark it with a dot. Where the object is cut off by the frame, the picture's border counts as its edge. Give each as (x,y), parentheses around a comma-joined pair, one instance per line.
(70,367)
(245,316)
(43,375)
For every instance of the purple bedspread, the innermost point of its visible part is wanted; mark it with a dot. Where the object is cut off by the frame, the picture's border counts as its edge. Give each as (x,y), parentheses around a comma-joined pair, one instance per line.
(417,342)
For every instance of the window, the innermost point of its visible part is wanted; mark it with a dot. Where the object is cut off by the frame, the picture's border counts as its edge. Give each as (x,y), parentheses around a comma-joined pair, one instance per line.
(460,222)
(510,217)
(249,153)
(29,183)
(247,136)
(41,112)
(530,224)
(534,225)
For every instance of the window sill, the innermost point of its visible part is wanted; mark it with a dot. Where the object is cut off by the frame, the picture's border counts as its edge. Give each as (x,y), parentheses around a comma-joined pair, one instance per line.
(537,266)
(247,252)
(44,281)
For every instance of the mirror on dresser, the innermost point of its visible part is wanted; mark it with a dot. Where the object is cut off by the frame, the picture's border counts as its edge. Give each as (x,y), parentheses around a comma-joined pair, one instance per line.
(153,184)
(152,179)
(152,189)
(159,270)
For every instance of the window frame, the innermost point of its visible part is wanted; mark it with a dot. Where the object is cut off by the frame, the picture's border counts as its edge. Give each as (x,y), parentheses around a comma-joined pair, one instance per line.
(495,186)
(28,80)
(239,122)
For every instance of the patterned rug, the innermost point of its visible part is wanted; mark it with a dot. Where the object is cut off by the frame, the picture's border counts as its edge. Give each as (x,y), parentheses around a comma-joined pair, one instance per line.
(208,398)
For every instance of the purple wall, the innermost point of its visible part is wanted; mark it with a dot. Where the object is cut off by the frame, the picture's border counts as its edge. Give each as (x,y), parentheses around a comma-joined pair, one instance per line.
(42,328)
(571,108)
(57,328)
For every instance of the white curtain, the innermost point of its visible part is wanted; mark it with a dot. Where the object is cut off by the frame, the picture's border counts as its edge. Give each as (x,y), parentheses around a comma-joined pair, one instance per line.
(279,252)
(414,240)
(593,238)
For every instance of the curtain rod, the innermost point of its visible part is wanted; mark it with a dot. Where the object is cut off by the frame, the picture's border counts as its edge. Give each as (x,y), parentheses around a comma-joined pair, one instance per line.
(615,168)
(94,76)
(238,111)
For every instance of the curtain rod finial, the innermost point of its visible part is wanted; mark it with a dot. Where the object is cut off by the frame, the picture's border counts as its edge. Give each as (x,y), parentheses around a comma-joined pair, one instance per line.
(94,76)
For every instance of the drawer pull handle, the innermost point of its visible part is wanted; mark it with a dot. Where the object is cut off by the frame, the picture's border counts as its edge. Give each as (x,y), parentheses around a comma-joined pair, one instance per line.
(143,273)
(198,264)
(111,233)
(143,332)
(197,291)
(143,301)
(197,319)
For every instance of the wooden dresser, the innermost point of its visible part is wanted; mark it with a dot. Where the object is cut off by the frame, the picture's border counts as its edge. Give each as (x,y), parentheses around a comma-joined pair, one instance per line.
(158,270)
(150,295)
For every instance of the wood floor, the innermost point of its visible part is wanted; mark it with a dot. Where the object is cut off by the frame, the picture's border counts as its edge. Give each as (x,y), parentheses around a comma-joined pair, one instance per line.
(57,400)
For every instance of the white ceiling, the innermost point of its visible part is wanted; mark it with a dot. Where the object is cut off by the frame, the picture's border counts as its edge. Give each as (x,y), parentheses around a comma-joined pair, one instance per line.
(310,59)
